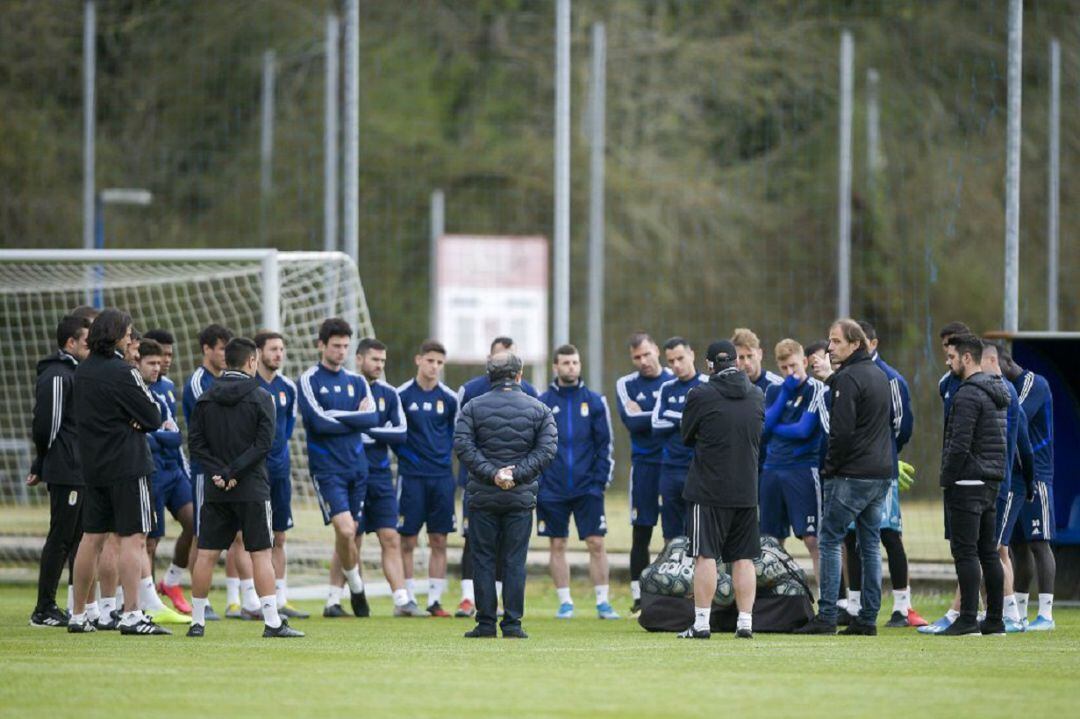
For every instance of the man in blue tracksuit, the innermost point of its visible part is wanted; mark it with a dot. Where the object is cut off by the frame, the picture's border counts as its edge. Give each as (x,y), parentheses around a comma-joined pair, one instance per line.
(425,470)
(574,483)
(666,420)
(636,395)
(475,387)
(337,408)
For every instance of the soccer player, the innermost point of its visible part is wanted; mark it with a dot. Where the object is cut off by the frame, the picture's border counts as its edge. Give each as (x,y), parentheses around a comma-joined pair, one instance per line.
(232,431)
(796,423)
(474,388)
(114,410)
(1035,529)
(282,390)
(56,462)
(337,408)
(637,393)
(666,416)
(425,470)
(172,470)
(576,479)
(750,357)
(212,341)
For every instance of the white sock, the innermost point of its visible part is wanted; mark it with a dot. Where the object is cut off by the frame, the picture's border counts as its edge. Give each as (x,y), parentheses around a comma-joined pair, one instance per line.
(131,618)
(498,592)
(468,590)
(91,610)
(269,611)
(232,590)
(97,591)
(198,610)
(854,602)
(745,621)
(901,599)
(841,604)
(601,593)
(410,587)
(333,596)
(1010,610)
(1046,606)
(1022,603)
(108,606)
(564,595)
(173,576)
(80,618)
(952,615)
(119,596)
(70,598)
(401,597)
(436,587)
(701,618)
(148,596)
(352,578)
(281,591)
(250,599)
(635,590)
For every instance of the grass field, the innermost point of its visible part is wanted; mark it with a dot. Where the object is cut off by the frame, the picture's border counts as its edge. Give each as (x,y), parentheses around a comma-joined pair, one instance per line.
(581,668)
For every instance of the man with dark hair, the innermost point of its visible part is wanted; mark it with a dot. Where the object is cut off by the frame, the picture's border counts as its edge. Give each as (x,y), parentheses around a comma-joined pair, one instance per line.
(56,462)
(282,390)
(575,482)
(637,393)
(114,410)
(506,439)
(425,470)
(474,388)
(666,418)
(722,421)
(858,468)
(972,468)
(232,431)
(337,408)
(85,312)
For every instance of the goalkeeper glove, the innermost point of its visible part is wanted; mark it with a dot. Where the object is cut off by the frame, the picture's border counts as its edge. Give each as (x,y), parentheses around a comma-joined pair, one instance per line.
(905,475)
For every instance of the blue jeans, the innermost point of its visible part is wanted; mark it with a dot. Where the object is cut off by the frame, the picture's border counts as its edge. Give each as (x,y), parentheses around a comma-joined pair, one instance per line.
(850,500)
(503,538)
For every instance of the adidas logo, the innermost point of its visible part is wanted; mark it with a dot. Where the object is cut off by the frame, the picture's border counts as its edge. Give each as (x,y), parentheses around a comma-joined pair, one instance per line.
(640,396)
(413,407)
(323,390)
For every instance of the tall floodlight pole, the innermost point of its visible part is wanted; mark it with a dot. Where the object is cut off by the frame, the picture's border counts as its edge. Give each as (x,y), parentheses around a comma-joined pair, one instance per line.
(438,228)
(561,303)
(843,265)
(89,72)
(330,138)
(597,98)
(873,130)
(351,185)
(1012,169)
(1054,189)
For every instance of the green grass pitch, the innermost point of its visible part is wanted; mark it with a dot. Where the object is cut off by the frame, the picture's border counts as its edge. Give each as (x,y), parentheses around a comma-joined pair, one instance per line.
(385,667)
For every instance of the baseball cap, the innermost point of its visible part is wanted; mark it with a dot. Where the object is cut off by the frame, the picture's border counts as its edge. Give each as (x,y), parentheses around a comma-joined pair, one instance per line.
(721,354)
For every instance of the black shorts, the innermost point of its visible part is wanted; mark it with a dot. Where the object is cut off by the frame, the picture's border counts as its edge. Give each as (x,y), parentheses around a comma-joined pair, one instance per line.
(220,521)
(724,533)
(125,508)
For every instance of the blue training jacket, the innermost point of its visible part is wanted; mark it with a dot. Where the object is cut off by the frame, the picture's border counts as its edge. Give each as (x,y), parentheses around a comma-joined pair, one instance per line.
(194,386)
(333,421)
(584,462)
(1038,405)
(646,447)
(168,451)
(796,423)
(902,417)
(667,419)
(283,391)
(429,439)
(389,430)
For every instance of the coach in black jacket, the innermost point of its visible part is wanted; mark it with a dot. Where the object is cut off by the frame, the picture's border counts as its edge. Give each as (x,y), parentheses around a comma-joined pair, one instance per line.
(114,411)
(972,469)
(232,430)
(858,468)
(57,464)
(505,439)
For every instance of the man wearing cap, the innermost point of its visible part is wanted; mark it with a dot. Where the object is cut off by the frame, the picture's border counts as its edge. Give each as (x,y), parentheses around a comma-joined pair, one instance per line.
(722,421)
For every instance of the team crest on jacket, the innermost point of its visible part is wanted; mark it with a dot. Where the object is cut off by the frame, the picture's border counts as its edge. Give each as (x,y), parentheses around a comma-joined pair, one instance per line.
(352,390)
(584,409)
(283,398)
(555,409)
(382,404)
(439,407)
(172,397)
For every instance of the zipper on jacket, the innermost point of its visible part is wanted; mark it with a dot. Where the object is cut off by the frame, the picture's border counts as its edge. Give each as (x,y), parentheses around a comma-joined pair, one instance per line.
(570,444)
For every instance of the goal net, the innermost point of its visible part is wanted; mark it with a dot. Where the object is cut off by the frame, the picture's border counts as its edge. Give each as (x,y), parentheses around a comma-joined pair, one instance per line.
(177,290)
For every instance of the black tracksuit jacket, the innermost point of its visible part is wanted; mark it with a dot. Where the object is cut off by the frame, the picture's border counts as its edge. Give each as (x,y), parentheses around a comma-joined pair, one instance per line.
(53,426)
(860,422)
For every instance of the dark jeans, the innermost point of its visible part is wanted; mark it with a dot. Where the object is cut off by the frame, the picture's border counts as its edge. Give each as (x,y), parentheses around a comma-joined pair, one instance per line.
(971,513)
(850,500)
(499,538)
(65,531)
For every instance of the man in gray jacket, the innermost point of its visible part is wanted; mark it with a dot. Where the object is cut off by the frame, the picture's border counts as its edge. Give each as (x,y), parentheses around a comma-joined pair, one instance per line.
(505,439)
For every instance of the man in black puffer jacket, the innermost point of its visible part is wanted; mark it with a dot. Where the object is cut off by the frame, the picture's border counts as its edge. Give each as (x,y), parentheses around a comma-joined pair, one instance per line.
(505,439)
(972,469)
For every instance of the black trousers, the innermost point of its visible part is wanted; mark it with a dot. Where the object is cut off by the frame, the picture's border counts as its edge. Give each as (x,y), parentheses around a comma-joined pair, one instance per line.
(971,513)
(65,531)
(499,538)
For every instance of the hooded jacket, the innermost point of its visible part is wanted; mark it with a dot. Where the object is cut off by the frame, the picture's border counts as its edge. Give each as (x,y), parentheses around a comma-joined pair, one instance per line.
(114,410)
(975,448)
(861,439)
(57,458)
(722,421)
(232,430)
